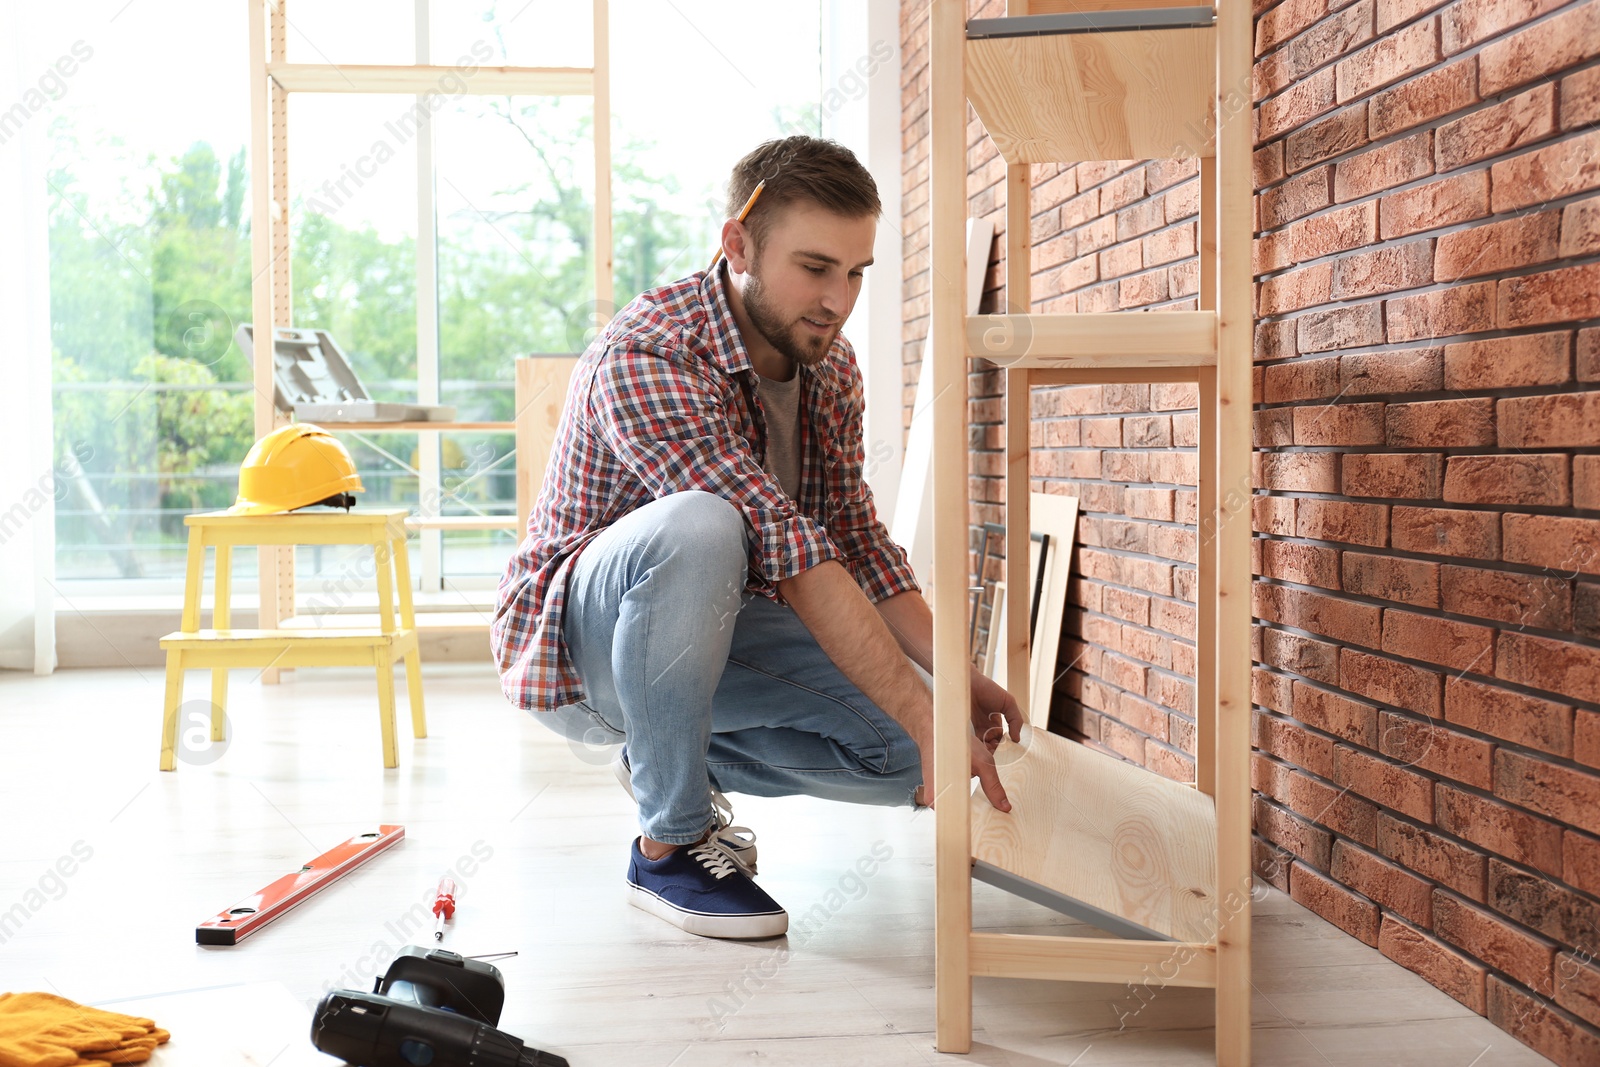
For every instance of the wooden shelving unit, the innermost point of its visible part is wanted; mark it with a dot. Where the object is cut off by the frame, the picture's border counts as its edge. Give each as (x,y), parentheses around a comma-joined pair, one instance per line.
(272,79)
(1163,865)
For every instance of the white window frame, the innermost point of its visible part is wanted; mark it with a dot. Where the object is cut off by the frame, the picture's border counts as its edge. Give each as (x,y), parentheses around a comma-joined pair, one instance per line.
(854,34)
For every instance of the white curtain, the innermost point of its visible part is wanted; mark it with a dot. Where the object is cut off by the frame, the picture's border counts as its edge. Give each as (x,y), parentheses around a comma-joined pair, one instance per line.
(27,473)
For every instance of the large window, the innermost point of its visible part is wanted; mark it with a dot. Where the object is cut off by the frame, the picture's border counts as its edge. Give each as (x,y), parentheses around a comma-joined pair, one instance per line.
(150,237)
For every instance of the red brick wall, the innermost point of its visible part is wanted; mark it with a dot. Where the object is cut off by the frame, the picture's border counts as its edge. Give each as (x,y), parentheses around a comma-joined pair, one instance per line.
(1427,473)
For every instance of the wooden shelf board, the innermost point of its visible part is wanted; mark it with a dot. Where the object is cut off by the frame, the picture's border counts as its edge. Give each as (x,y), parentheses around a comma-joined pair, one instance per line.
(1095,339)
(1130,363)
(1124,94)
(1051,7)
(1102,21)
(1115,925)
(1068,374)
(1119,838)
(406,78)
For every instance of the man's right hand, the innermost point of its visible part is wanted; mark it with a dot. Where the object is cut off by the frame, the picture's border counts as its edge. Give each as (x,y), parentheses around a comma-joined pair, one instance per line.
(983,768)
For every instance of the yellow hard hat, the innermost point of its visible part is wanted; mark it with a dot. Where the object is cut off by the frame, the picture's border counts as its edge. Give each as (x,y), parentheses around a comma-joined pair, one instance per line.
(295,466)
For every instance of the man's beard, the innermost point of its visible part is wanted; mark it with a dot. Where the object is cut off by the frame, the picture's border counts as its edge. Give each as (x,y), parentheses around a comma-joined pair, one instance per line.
(800,345)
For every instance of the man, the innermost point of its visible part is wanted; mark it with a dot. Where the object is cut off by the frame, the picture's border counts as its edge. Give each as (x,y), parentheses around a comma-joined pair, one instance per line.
(705,578)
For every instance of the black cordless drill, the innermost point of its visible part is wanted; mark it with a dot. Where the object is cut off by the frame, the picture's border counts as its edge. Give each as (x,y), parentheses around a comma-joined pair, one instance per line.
(431,1008)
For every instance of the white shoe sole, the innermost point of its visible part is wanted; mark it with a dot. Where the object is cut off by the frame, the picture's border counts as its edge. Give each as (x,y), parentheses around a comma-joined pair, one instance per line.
(704,924)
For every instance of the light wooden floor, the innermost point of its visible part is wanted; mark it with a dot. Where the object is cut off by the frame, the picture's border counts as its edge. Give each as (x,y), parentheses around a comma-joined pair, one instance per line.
(595,980)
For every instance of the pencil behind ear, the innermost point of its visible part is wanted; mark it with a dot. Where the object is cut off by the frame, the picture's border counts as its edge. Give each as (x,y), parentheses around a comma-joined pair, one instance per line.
(743,213)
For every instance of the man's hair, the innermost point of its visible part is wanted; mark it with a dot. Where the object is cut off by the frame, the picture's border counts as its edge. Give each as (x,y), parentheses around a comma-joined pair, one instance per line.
(800,169)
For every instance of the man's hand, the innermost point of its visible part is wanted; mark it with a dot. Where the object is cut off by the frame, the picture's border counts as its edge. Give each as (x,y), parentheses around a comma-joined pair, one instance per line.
(982,768)
(994,715)
(988,775)
(994,711)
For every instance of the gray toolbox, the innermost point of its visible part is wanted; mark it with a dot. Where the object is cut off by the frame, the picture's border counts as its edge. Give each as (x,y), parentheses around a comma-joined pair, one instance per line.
(314,382)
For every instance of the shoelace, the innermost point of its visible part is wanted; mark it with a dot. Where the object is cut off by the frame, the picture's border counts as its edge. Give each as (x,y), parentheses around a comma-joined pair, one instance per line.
(715,859)
(736,841)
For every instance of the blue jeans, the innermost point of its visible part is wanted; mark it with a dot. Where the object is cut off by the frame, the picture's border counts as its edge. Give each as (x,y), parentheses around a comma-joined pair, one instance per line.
(711,686)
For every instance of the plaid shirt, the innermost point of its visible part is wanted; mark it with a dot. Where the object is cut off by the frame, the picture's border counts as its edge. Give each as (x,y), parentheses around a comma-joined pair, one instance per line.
(666,400)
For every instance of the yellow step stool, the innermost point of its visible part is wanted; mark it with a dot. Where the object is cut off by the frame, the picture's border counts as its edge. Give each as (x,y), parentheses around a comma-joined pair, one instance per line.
(220,648)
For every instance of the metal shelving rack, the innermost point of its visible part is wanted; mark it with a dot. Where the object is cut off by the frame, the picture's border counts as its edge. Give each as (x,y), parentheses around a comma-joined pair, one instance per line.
(1163,866)
(272,79)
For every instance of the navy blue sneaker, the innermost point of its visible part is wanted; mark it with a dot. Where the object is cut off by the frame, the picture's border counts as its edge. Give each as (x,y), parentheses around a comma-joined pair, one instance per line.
(739,842)
(700,889)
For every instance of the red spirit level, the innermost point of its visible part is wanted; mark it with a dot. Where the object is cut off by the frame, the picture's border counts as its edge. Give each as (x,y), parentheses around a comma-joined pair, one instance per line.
(257,910)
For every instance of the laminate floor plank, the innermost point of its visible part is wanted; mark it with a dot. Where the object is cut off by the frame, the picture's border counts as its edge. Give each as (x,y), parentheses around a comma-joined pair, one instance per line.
(536,831)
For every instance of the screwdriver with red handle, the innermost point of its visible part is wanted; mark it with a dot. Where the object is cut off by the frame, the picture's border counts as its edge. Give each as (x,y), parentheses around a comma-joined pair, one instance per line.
(444,905)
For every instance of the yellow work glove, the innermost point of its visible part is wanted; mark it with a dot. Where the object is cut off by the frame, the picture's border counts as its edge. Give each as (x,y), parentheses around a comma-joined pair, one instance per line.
(139,1037)
(132,1050)
(40,1030)
(43,1030)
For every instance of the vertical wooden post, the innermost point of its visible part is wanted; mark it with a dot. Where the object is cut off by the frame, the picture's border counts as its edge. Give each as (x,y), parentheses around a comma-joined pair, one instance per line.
(1019,300)
(1018,676)
(1206,617)
(1235,328)
(1205,638)
(946,354)
(1019,242)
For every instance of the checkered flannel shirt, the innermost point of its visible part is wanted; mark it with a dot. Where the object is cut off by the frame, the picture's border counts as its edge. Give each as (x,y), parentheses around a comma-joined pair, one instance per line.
(666,400)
